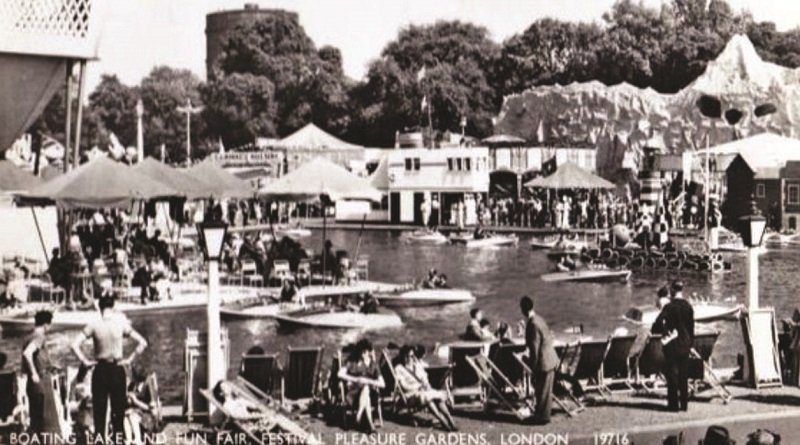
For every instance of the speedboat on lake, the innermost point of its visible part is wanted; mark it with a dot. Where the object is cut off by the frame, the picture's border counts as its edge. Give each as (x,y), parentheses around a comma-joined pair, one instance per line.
(425,297)
(338,318)
(426,237)
(589,275)
(469,240)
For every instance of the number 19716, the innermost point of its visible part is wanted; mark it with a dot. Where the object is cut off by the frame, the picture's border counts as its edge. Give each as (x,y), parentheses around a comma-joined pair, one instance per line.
(611,439)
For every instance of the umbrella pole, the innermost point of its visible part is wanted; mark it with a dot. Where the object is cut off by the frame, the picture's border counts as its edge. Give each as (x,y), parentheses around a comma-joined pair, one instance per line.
(79,118)
(324,238)
(360,233)
(39,232)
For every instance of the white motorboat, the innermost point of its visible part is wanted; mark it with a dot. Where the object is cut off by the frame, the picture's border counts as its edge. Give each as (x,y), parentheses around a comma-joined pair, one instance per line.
(588,275)
(294,233)
(542,244)
(338,318)
(425,297)
(704,312)
(487,241)
(426,236)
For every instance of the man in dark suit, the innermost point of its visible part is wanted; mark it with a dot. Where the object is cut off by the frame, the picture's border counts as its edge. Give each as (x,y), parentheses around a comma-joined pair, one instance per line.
(676,324)
(542,359)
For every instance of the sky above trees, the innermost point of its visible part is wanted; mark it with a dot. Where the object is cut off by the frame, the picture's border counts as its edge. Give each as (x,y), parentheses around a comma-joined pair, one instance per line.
(145,33)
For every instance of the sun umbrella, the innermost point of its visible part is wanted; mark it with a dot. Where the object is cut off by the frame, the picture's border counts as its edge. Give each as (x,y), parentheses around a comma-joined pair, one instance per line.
(100,183)
(320,177)
(570,176)
(182,183)
(15,179)
(218,182)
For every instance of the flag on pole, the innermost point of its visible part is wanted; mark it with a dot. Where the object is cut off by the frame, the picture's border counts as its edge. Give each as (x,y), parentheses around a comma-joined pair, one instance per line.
(421,74)
(221,146)
(424,102)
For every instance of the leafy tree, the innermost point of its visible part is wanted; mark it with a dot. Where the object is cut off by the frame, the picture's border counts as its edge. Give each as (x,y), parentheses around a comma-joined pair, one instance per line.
(240,108)
(162,92)
(458,59)
(113,104)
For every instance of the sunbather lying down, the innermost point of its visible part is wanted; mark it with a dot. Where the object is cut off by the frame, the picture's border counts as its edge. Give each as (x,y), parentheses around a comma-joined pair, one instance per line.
(236,406)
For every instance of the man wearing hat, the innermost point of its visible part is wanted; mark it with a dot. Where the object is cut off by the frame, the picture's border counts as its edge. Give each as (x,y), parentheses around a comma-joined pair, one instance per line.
(676,325)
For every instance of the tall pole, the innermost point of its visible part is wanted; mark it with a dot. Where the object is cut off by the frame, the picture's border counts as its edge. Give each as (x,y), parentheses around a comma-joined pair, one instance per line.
(214,357)
(68,126)
(139,131)
(751,277)
(79,118)
(189,110)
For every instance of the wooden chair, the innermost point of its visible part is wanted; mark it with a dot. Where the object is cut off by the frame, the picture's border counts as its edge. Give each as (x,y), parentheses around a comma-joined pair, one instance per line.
(500,389)
(567,402)
(261,370)
(301,378)
(304,270)
(250,275)
(340,394)
(464,381)
(281,270)
(402,403)
(616,366)
(589,367)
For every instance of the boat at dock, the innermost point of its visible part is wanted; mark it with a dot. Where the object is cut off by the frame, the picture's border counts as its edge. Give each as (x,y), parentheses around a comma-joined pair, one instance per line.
(425,297)
(542,244)
(338,318)
(488,241)
(294,233)
(426,237)
(589,275)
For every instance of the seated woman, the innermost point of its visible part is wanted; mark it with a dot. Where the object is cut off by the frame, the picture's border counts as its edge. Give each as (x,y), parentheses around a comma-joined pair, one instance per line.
(413,380)
(140,417)
(237,407)
(362,376)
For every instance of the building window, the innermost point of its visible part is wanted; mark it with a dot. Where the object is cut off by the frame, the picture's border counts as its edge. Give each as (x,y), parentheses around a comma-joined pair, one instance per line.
(450,164)
(416,163)
(408,163)
(760,191)
(467,164)
(459,164)
(794,194)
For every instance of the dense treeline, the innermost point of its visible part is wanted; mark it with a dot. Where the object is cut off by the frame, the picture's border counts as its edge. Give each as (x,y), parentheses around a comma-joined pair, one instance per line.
(272,80)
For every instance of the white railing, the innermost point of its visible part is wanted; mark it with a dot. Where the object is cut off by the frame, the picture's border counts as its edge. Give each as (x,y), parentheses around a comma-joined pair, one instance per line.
(66,28)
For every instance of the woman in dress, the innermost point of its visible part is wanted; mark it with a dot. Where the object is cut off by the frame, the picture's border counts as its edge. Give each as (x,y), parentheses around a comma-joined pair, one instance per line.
(36,365)
(363,377)
(413,379)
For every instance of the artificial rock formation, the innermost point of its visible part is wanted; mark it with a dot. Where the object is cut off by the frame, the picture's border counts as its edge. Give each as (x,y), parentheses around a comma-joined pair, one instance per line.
(745,94)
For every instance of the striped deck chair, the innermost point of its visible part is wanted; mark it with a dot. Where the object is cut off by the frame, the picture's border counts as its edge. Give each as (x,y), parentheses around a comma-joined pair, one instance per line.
(262,370)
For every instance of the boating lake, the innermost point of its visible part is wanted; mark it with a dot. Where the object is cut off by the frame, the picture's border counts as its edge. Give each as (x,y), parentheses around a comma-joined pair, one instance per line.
(496,276)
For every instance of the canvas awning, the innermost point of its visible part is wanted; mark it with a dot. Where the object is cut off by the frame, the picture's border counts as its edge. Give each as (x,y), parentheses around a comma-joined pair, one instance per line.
(504,140)
(179,181)
(570,176)
(218,182)
(100,183)
(313,137)
(15,179)
(320,177)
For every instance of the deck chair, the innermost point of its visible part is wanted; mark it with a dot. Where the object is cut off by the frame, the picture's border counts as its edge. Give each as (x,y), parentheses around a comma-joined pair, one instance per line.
(250,275)
(262,370)
(500,389)
(648,364)
(402,403)
(464,381)
(589,367)
(280,270)
(503,357)
(338,394)
(301,376)
(616,366)
(564,399)
(701,371)
(14,407)
(155,397)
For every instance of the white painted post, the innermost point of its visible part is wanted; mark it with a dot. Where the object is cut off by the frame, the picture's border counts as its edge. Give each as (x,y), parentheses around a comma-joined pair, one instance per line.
(216,365)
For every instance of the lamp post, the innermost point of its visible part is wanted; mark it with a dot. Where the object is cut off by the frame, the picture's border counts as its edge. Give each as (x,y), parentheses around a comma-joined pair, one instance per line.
(189,110)
(139,131)
(752,228)
(212,238)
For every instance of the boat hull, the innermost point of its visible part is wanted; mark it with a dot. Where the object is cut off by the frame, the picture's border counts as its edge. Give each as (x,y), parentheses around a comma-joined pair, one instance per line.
(426,297)
(426,238)
(338,320)
(596,276)
(494,241)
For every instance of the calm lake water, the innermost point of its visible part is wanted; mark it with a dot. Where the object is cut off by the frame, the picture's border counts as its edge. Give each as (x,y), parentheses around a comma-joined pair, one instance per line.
(497,277)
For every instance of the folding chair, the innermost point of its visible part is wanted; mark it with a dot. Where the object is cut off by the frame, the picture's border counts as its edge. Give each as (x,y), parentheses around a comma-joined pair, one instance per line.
(301,377)
(400,400)
(361,271)
(338,393)
(500,388)
(262,371)
(155,396)
(616,366)
(565,400)
(280,270)
(703,372)
(503,357)
(648,364)
(304,270)
(464,381)
(250,275)
(590,364)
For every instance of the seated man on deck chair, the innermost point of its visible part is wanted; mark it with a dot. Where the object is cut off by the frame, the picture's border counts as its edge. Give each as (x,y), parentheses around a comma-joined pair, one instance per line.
(239,408)
(413,380)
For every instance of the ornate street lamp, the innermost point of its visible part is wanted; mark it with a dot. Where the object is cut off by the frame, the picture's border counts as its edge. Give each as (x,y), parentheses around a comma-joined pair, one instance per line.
(752,228)
(211,236)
